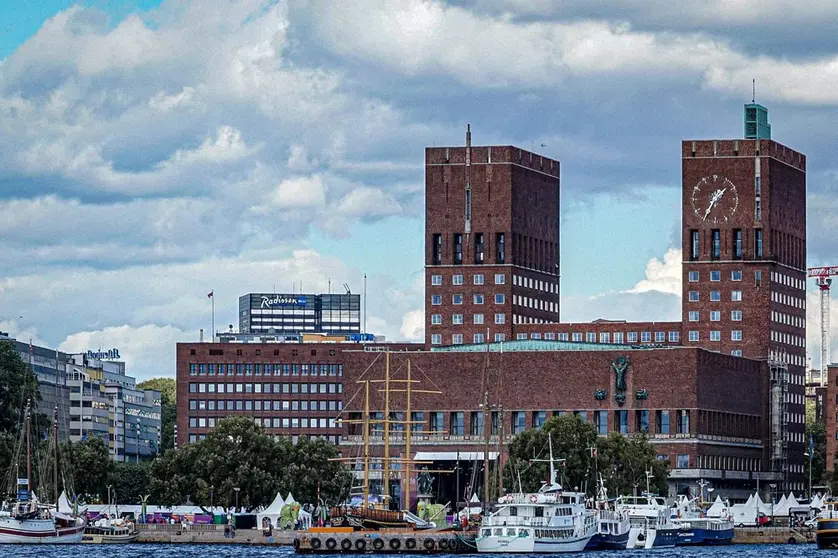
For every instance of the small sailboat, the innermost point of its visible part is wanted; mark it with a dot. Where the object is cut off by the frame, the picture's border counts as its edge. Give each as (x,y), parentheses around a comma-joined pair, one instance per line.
(109,529)
(25,519)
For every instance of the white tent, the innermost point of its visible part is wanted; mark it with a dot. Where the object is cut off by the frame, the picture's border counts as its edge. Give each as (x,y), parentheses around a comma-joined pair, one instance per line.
(471,510)
(290,499)
(817,502)
(718,509)
(795,507)
(781,508)
(272,512)
(763,507)
(747,513)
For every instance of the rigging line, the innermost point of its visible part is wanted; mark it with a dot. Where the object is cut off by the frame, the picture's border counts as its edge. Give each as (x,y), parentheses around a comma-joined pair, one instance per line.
(422,371)
(361,377)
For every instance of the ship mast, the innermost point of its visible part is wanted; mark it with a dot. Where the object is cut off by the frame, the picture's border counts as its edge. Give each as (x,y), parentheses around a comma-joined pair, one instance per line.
(28,450)
(386,464)
(55,466)
(367,444)
(408,425)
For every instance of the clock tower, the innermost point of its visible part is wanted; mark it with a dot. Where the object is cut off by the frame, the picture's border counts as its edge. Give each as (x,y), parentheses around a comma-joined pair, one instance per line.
(744,270)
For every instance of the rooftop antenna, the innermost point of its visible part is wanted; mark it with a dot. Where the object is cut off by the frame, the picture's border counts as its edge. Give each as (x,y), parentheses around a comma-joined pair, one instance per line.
(468,181)
(346,286)
(753,90)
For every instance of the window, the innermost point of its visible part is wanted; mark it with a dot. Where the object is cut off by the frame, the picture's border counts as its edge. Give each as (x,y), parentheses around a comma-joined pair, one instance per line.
(457,424)
(736,315)
(436,422)
(436,280)
(683,422)
(458,248)
(500,248)
(736,335)
(715,276)
(621,422)
(499,337)
(601,419)
(436,300)
(758,243)
(478,319)
(500,298)
(693,315)
(694,245)
(660,336)
(693,296)
(693,275)
(618,336)
(457,299)
(457,339)
(715,296)
(539,418)
(715,335)
(476,423)
(631,337)
(736,275)
(478,248)
(662,422)
(519,421)
(457,279)
(590,337)
(674,336)
(500,318)
(736,296)
(500,278)
(737,244)
(646,337)
(457,319)
(477,299)
(479,338)
(436,319)
(717,245)
(715,315)
(436,257)
(736,352)
(758,278)
(693,336)
(478,278)
(682,461)
(604,337)
(641,421)
(436,339)
(521,336)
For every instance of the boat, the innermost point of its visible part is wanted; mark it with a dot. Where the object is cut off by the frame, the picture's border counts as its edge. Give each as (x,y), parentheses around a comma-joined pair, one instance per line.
(27,520)
(651,526)
(549,521)
(108,531)
(613,526)
(826,528)
(702,524)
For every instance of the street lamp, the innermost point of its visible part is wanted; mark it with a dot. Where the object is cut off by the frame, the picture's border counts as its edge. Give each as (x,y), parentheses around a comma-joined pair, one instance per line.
(772,486)
(212,487)
(810,456)
(237,496)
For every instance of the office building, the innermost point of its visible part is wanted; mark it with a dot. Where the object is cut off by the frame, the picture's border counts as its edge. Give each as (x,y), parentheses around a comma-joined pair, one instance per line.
(332,314)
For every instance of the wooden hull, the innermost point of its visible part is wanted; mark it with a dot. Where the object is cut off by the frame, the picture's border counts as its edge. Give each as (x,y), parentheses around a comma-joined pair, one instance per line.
(109,539)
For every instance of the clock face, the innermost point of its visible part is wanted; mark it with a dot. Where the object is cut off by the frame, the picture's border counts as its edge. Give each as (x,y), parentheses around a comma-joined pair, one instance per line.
(715,199)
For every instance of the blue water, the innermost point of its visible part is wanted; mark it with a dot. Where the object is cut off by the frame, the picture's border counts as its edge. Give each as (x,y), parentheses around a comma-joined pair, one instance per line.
(247,551)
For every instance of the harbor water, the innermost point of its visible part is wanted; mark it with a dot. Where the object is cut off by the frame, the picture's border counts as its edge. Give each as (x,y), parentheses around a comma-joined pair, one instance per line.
(247,551)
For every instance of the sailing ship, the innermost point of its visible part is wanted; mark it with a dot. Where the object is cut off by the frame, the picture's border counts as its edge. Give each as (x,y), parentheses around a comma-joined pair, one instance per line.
(613,525)
(549,521)
(25,519)
(109,529)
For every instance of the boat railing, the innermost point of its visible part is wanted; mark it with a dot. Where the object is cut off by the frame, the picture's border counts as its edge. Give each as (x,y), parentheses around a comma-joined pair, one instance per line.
(515,520)
(828,514)
(178,527)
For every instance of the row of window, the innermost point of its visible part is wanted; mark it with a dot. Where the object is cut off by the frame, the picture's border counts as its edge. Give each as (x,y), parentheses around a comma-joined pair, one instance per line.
(259,405)
(728,463)
(479,244)
(195,387)
(737,244)
(715,316)
(457,299)
(784,279)
(529,302)
(259,369)
(536,284)
(478,278)
(715,296)
(193,438)
(785,319)
(716,335)
(459,339)
(270,422)
(715,276)
(782,356)
(788,339)
(786,300)
(457,319)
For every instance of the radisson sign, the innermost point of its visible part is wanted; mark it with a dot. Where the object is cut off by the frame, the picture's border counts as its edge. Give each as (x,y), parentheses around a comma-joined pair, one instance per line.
(111,354)
(283,300)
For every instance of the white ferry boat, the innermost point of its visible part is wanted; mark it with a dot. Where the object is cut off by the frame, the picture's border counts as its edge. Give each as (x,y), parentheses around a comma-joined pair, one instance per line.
(546,522)
(650,522)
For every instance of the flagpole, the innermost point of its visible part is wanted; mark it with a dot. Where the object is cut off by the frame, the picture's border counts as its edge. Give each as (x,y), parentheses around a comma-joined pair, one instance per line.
(212,333)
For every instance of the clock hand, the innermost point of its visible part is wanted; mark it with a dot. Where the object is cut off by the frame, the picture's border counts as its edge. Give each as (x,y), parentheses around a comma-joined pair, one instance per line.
(713,199)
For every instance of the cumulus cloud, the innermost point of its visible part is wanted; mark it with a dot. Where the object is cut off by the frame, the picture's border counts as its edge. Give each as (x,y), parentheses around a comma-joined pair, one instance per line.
(662,276)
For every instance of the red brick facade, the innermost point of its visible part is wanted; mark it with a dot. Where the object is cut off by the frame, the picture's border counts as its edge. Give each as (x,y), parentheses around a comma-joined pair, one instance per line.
(830,416)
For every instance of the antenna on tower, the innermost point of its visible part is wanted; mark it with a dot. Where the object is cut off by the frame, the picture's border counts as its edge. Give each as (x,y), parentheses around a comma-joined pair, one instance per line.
(753,90)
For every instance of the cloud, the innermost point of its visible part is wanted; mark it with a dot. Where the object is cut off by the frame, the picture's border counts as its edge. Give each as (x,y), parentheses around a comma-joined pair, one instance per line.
(413,326)
(662,276)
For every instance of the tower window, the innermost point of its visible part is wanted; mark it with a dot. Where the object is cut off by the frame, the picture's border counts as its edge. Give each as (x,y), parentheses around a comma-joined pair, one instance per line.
(758,243)
(468,204)
(500,248)
(458,248)
(693,245)
(478,248)
(737,244)
(436,258)
(717,245)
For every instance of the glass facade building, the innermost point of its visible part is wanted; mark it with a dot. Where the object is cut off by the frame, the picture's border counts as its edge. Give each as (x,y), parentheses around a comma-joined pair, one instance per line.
(334,314)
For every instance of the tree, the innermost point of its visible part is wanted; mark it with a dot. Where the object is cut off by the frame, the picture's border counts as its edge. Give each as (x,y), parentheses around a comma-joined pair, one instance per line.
(817,430)
(623,462)
(89,464)
(129,482)
(17,385)
(168,409)
(309,467)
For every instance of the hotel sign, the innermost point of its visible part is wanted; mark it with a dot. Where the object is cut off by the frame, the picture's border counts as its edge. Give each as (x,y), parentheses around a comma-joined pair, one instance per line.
(283,300)
(111,354)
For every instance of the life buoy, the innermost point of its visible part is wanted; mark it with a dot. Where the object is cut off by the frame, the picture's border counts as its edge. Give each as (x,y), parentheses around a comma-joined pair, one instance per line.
(443,544)
(296,544)
(315,543)
(378,544)
(360,544)
(395,543)
(346,544)
(428,544)
(533,498)
(410,544)
(509,499)
(331,543)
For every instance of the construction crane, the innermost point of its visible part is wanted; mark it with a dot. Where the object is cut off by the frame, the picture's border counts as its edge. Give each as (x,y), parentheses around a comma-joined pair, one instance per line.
(822,276)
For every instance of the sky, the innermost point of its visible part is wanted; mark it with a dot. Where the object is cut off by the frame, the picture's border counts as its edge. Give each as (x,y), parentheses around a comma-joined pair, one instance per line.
(152,152)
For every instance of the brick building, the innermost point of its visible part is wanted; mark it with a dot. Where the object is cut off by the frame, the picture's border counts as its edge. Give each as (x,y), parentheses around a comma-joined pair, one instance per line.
(830,415)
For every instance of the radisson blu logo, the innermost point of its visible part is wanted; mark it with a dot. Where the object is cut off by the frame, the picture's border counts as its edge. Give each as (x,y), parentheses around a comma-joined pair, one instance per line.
(112,354)
(282,300)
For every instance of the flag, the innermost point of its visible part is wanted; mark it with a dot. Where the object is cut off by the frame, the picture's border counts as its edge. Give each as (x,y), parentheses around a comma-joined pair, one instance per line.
(211,293)
(811,447)
(593,452)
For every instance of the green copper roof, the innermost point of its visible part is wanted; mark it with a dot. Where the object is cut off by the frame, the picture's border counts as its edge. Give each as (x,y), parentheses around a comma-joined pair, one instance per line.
(756,122)
(544,345)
